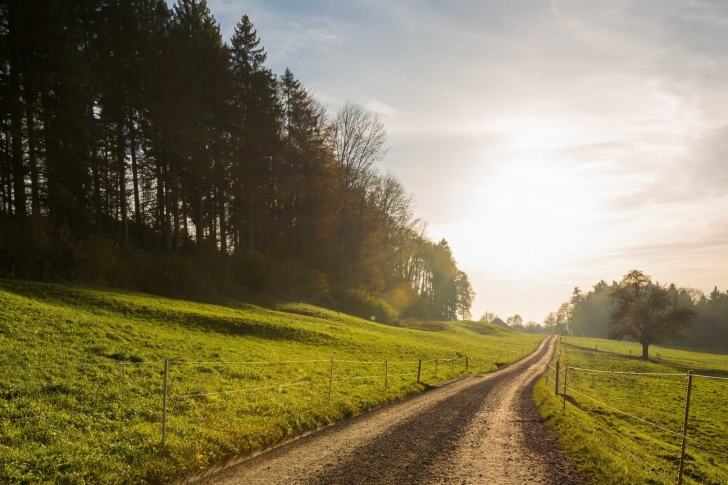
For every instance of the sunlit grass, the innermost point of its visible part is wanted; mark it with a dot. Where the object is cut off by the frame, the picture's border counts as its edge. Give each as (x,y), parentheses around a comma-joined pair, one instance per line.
(613,448)
(81,378)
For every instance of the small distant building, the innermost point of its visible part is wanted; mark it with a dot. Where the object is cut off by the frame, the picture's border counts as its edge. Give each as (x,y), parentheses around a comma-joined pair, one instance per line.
(500,323)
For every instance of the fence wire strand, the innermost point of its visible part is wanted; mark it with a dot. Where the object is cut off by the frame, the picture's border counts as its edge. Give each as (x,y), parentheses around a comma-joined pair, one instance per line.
(236,390)
(628,373)
(572,389)
(711,377)
(260,362)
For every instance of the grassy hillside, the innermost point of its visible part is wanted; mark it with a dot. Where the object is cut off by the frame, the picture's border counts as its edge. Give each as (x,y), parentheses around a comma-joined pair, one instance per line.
(613,448)
(81,377)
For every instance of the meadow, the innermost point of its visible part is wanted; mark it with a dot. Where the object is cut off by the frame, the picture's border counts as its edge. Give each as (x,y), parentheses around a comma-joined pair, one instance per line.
(625,428)
(82,377)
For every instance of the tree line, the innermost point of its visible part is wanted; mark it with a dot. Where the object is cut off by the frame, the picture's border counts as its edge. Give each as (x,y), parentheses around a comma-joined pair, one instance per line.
(137,146)
(645,311)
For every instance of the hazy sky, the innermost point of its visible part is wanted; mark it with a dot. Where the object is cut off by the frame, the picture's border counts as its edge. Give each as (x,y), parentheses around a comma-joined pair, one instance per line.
(552,143)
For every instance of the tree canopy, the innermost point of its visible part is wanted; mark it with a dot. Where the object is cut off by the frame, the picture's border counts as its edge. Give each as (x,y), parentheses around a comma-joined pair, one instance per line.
(647,312)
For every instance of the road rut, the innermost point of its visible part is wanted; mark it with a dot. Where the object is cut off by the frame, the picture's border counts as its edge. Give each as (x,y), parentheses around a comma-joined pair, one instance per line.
(477,430)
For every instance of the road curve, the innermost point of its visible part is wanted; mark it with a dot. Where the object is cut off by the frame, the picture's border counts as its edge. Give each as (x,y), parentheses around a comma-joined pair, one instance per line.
(477,430)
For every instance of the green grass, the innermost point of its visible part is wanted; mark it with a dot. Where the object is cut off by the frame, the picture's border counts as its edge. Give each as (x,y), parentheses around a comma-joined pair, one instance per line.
(609,447)
(81,378)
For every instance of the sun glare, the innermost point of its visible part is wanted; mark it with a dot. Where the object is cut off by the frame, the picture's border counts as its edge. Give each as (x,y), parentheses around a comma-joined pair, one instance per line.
(532,213)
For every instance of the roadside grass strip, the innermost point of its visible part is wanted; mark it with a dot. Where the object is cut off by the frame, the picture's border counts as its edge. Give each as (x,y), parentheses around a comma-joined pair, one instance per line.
(623,416)
(82,378)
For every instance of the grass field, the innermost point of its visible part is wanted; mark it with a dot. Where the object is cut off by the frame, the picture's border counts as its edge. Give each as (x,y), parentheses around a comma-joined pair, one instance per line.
(81,377)
(610,447)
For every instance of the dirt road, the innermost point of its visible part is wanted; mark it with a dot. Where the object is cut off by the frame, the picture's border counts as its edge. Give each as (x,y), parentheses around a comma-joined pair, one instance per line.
(477,430)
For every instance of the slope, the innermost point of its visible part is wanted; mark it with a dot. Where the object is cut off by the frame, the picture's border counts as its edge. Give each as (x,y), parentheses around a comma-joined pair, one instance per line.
(82,377)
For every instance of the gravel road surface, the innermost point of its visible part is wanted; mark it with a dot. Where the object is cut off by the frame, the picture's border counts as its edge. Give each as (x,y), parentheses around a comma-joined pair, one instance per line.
(476,430)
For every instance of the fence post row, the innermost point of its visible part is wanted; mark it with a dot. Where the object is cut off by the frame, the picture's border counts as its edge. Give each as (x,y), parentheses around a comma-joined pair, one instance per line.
(164,402)
(165,388)
(685,428)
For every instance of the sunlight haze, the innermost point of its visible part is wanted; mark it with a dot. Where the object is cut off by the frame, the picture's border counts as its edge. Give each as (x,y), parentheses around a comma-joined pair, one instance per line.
(553,144)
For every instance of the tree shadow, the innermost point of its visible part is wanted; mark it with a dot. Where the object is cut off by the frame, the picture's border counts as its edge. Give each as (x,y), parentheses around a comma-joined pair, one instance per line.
(110,303)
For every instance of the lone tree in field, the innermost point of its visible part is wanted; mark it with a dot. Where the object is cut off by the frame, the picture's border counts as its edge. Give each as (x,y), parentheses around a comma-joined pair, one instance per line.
(646,312)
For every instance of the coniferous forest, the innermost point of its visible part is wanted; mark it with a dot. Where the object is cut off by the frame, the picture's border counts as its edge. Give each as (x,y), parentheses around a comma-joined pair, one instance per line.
(140,149)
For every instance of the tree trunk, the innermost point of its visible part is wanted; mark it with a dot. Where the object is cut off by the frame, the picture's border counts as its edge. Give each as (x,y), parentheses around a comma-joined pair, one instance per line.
(251,216)
(32,162)
(5,175)
(121,160)
(186,232)
(160,202)
(212,216)
(168,181)
(645,353)
(173,200)
(223,221)
(16,126)
(135,175)
(98,201)
(199,216)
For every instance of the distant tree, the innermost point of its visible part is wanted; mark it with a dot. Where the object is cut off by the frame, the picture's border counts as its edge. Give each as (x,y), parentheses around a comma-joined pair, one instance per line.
(488,317)
(575,306)
(564,319)
(465,295)
(514,321)
(550,322)
(647,312)
(532,327)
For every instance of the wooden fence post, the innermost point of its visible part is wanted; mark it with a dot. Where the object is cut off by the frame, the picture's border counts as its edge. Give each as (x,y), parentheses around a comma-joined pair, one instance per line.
(331,378)
(557,377)
(566,374)
(685,428)
(386,373)
(452,365)
(164,402)
(435,368)
(419,370)
(466,363)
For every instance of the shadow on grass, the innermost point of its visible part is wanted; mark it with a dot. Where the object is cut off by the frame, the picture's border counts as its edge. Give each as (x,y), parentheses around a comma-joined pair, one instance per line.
(110,303)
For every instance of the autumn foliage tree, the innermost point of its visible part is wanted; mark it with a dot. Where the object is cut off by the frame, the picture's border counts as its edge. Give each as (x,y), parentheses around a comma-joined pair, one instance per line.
(647,312)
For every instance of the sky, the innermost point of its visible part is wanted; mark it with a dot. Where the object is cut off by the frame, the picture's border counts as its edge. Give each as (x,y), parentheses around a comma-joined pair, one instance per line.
(552,143)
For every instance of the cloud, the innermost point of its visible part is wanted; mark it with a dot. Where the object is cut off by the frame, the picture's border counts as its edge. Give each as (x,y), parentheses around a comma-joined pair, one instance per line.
(380,108)
(552,143)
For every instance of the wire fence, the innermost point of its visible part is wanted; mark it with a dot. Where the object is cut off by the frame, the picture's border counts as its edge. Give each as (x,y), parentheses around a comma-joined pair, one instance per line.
(562,377)
(175,391)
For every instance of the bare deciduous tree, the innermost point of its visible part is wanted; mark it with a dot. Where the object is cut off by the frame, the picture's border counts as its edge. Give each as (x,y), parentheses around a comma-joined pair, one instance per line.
(357,140)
